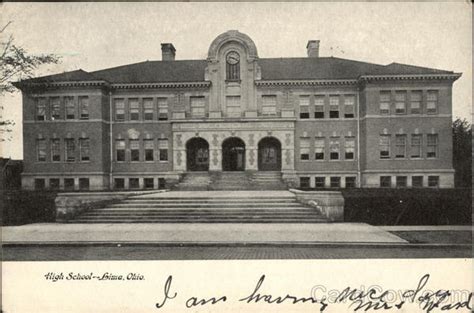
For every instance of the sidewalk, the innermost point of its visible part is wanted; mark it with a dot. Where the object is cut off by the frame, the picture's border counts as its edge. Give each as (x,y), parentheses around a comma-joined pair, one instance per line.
(328,233)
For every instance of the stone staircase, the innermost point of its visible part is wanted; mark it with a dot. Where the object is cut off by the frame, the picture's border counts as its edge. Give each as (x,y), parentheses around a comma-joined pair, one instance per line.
(194,181)
(231,181)
(268,181)
(226,208)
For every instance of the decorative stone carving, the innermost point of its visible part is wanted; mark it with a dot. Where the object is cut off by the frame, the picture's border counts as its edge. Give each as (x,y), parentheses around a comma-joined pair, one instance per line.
(215,158)
(133,133)
(179,142)
(178,157)
(215,141)
(251,157)
(232,35)
(251,140)
(287,139)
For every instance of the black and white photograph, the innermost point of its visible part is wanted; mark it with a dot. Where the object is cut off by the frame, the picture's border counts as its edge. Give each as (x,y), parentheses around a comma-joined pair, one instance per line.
(234,132)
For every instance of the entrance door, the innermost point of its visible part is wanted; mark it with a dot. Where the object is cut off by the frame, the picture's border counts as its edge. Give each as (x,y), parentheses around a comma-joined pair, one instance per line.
(197,151)
(233,155)
(269,154)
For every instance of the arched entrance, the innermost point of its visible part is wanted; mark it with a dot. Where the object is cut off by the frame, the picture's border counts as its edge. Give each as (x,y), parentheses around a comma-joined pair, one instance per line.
(269,154)
(233,154)
(197,152)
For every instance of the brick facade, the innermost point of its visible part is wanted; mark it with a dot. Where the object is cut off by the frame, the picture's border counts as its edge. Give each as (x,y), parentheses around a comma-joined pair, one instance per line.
(339,123)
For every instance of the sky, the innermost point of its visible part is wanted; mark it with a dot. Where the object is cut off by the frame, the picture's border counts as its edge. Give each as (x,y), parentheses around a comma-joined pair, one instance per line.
(92,36)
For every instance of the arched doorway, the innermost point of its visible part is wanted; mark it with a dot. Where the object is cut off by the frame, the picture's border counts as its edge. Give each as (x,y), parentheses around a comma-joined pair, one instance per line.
(197,152)
(233,154)
(269,154)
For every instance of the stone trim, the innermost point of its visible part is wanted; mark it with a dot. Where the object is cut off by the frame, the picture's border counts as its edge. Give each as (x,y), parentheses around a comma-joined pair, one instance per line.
(368,78)
(325,82)
(162,85)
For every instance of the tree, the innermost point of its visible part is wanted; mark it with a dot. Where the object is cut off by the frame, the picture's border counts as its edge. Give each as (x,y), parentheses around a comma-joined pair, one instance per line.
(16,64)
(462,153)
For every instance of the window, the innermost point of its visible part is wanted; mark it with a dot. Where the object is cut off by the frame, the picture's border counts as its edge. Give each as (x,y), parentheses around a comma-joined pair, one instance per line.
(148,183)
(384,102)
(350,182)
(400,146)
(433,181)
(335,182)
(304,148)
(120,150)
(134,150)
(319,147)
(304,182)
(68,183)
(162,109)
(134,109)
(269,105)
(55,108)
(149,145)
(84,149)
(233,106)
(70,150)
(84,108)
(41,150)
(334,149)
(163,149)
(119,109)
(384,145)
(54,183)
(415,149)
(83,183)
(119,183)
(39,183)
(415,102)
(319,107)
(349,148)
(385,181)
(417,181)
(304,106)
(432,145)
(41,109)
(334,107)
(349,106)
(198,108)
(55,150)
(320,181)
(401,181)
(400,102)
(148,109)
(70,108)
(133,183)
(233,66)
(161,183)
(432,102)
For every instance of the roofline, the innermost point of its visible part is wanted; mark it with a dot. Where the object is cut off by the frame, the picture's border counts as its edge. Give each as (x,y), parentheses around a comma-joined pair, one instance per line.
(84,83)
(201,84)
(443,76)
(302,82)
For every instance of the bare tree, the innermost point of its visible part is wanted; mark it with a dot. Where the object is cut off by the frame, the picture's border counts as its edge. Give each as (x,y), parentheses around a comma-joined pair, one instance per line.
(16,64)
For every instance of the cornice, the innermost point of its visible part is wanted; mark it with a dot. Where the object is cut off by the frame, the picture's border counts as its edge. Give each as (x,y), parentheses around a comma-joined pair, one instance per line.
(326,82)
(368,78)
(161,85)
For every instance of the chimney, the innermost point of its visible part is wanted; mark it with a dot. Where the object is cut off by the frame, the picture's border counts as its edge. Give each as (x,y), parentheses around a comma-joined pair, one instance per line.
(168,52)
(313,48)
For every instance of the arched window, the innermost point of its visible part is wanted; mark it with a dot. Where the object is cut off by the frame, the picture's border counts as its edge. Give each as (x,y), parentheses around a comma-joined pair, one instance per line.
(233,66)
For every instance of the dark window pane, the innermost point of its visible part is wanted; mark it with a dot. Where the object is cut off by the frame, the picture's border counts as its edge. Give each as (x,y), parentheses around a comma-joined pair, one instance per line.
(304,182)
(133,183)
(83,183)
(69,183)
